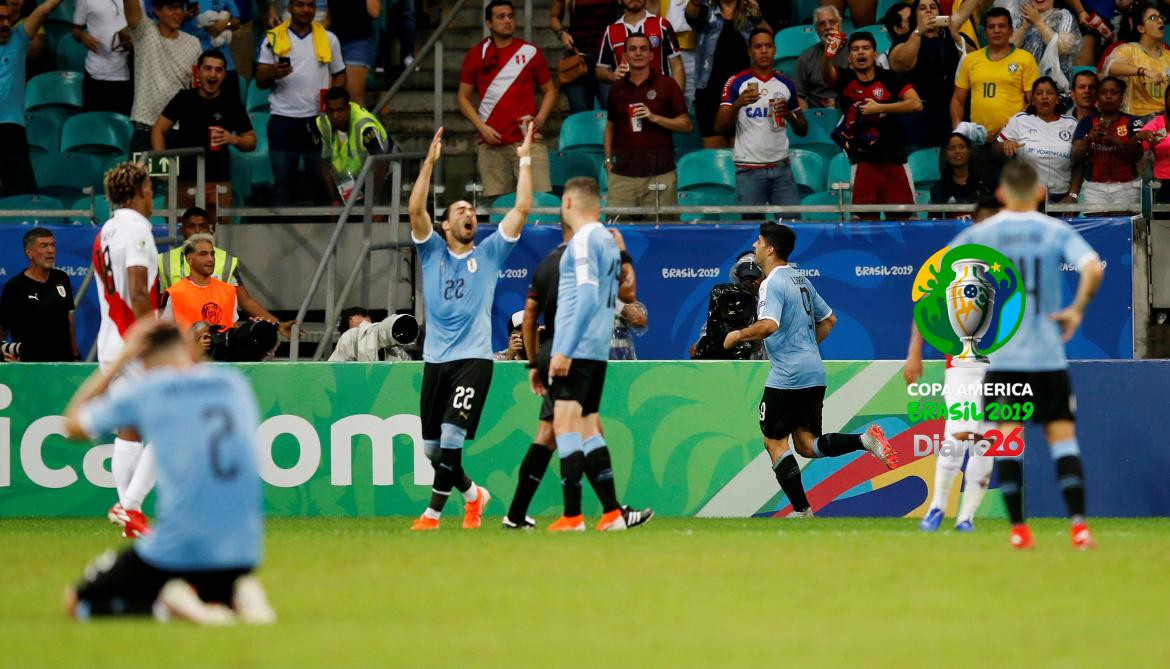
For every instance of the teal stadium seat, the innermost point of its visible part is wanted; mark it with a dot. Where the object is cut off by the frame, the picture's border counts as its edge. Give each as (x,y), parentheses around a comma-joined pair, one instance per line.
(30,202)
(808,168)
(790,43)
(260,125)
(698,198)
(707,170)
(71,55)
(257,100)
(821,122)
(44,133)
(63,175)
(564,165)
(924,167)
(840,171)
(538,200)
(880,35)
(243,81)
(1077,69)
(102,133)
(55,93)
(583,131)
(688,142)
(884,5)
(822,198)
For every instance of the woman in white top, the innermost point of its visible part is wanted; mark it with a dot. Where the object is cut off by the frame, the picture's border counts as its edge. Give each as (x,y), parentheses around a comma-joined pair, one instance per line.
(107,85)
(1043,137)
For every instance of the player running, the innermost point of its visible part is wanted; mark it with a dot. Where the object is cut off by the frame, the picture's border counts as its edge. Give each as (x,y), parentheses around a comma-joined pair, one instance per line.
(209,531)
(586,299)
(793,320)
(1038,244)
(541,304)
(946,466)
(125,262)
(459,283)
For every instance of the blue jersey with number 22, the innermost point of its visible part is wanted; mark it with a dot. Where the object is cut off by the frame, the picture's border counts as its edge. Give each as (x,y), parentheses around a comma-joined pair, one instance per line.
(788,298)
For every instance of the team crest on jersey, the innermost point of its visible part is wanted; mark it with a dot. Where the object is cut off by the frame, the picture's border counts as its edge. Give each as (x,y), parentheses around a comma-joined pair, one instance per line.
(1013,67)
(879,93)
(1065,135)
(1122,130)
(472,265)
(651,94)
(61,290)
(654,41)
(211,312)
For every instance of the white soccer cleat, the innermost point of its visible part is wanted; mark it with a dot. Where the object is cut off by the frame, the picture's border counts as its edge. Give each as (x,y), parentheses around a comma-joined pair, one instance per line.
(179,601)
(117,515)
(251,602)
(807,513)
(874,440)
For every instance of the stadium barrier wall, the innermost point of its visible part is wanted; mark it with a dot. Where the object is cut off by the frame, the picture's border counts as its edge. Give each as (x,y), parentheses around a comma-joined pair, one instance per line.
(344,440)
(865,271)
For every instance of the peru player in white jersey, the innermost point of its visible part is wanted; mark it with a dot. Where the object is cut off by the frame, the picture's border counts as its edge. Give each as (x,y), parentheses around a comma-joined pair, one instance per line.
(125,262)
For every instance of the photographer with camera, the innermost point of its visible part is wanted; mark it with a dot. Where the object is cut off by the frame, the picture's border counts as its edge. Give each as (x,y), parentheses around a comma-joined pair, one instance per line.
(732,306)
(363,340)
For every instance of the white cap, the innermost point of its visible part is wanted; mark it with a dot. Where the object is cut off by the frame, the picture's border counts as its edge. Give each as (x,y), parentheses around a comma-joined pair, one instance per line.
(517,319)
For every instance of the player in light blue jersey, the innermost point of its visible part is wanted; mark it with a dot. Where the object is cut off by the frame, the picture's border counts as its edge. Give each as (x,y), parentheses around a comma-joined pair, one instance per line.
(459,284)
(1034,357)
(209,530)
(587,292)
(793,320)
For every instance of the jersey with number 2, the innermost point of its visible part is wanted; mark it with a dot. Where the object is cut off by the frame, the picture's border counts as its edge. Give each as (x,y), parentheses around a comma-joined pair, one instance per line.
(458,291)
(789,299)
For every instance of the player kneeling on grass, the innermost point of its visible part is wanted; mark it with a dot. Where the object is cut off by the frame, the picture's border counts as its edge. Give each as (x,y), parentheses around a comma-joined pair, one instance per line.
(793,320)
(196,561)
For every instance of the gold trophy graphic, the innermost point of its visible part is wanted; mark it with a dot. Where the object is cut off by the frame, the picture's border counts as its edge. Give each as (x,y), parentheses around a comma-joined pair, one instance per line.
(970,306)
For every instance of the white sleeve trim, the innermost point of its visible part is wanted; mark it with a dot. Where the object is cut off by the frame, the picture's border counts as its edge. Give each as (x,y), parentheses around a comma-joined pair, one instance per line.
(826,316)
(1089,257)
(769,318)
(424,240)
(505,236)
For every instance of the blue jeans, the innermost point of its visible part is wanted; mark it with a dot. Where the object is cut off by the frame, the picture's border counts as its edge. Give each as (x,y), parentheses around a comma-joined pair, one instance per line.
(767,186)
(581,92)
(290,141)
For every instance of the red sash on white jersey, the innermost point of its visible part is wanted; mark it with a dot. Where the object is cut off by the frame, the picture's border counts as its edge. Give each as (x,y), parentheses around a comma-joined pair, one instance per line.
(504,78)
(651,27)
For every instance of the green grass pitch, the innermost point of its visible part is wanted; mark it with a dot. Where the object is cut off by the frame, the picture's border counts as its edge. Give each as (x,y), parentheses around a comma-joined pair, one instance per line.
(677,593)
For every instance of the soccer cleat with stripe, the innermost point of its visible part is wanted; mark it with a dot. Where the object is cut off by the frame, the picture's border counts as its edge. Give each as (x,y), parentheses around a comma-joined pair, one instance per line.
(179,601)
(568,524)
(117,515)
(1082,538)
(931,520)
(136,525)
(965,526)
(1021,537)
(636,517)
(529,523)
(425,522)
(473,511)
(875,442)
(807,513)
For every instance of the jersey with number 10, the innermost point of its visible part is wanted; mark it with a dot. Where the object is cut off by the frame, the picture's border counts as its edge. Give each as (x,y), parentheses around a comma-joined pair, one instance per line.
(1037,244)
(458,291)
(789,299)
(587,294)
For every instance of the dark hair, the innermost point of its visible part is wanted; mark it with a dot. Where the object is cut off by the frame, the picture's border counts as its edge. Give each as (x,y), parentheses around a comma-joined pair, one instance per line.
(984,203)
(487,11)
(780,237)
(863,36)
(1113,79)
(1051,82)
(1088,73)
(337,93)
(194,211)
(211,53)
(584,185)
(346,314)
(1019,175)
(35,234)
(641,35)
(891,19)
(760,31)
(162,337)
(994,12)
(1132,20)
(946,173)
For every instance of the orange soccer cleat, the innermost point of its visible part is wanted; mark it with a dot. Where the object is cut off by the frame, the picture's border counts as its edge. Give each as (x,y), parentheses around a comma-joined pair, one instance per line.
(874,440)
(136,525)
(473,511)
(425,522)
(1021,537)
(1082,538)
(568,524)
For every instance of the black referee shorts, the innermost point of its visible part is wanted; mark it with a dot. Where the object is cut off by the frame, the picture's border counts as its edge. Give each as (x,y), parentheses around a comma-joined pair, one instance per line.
(584,384)
(454,392)
(125,584)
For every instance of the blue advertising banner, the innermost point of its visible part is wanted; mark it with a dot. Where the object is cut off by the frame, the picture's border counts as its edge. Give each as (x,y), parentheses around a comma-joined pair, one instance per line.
(863,270)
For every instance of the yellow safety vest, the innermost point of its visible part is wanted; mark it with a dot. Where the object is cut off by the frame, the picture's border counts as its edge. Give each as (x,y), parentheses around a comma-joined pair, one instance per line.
(348,156)
(173,268)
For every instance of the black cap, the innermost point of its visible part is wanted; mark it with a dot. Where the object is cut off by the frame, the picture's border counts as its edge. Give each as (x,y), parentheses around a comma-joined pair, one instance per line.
(748,270)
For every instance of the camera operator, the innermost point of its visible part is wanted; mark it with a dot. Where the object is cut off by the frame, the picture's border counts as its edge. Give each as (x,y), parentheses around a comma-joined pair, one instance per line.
(732,306)
(363,340)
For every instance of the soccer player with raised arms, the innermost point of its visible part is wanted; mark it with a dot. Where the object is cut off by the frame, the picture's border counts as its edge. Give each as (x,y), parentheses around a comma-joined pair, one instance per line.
(1038,244)
(586,298)
(459,284)
(793,320)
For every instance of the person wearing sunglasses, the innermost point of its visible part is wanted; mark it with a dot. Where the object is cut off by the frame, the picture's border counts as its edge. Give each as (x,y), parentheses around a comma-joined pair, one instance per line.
(1143,62)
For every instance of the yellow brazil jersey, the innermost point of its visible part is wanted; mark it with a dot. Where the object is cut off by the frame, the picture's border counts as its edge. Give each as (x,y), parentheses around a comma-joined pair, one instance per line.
(997,87)
(1142,96)
(969,28)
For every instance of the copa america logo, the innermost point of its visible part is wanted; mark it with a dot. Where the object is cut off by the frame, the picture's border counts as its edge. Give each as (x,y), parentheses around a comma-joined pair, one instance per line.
(955,294)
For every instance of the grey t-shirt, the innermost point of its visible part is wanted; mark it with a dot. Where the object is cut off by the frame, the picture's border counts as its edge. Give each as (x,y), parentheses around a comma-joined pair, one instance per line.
(162,68)
(810,85)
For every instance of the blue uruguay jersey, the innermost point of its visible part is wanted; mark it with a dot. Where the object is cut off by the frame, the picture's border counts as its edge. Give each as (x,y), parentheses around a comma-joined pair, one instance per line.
(458,293)
(587,294)
(202,426)
(1037,244)
(788,298)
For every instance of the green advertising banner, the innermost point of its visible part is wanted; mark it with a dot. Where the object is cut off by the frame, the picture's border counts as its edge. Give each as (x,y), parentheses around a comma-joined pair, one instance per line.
(345,440)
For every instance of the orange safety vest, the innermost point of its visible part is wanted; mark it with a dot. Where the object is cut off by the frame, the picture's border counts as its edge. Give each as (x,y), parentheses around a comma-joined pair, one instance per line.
(214,303)
(651,28)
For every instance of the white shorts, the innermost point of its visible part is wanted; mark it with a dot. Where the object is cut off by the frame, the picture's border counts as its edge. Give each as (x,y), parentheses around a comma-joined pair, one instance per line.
(1123,193)
(964,376)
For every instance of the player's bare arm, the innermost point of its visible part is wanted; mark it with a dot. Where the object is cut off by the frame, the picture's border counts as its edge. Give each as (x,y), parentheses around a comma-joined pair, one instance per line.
(139,288)
(627,280)
(761,329)
(420,220)
(32,25)
(528,329)
(99,382)
(912,370)
(515,219)
(824,326)
(1069,318)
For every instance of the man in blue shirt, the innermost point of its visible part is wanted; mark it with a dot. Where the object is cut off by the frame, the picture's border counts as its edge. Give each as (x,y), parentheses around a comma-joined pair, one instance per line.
(587,293)
(793,320)
(209,531)
(1031,366)
(16,173)
(459,284)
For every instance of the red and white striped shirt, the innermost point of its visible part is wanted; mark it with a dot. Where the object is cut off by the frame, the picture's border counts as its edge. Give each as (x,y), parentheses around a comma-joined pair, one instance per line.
(505,80)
